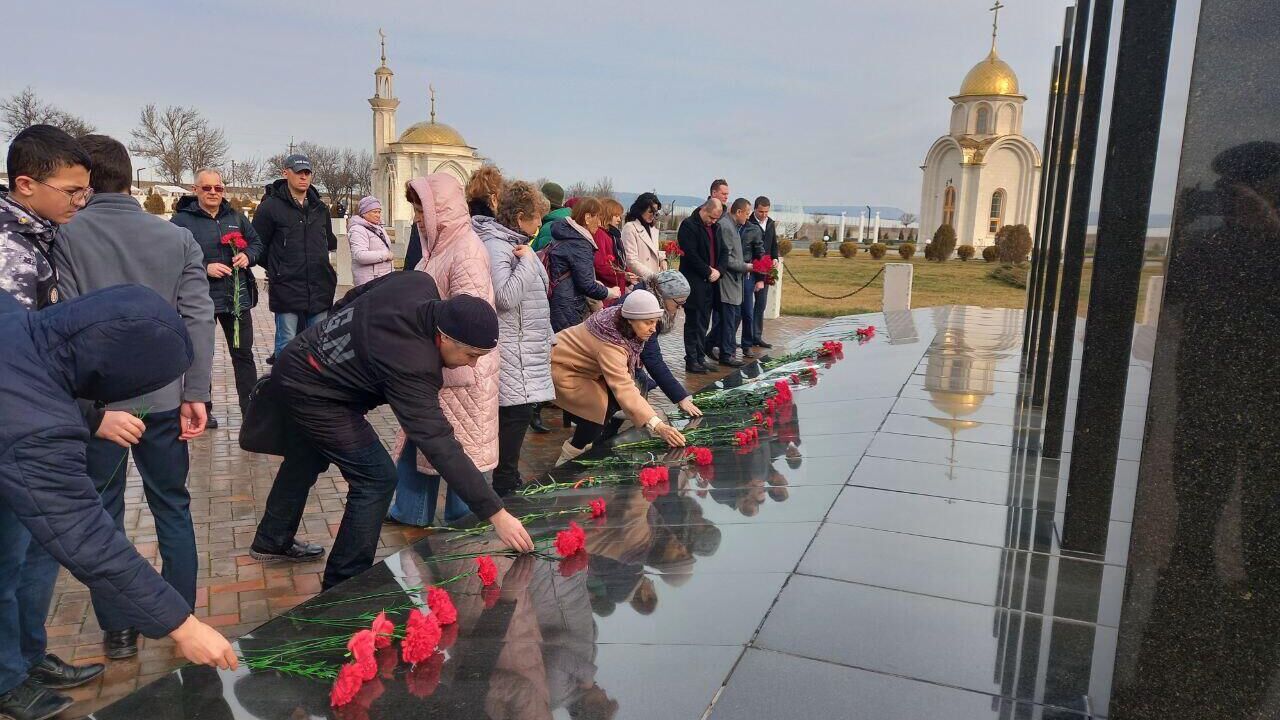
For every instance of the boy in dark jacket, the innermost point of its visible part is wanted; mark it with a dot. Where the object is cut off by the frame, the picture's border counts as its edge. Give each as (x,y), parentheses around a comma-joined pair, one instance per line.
(82,348)
(386,342)
(296,238)
(231,247)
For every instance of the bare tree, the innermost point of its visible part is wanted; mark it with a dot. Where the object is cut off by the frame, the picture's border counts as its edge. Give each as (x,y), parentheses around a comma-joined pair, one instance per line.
(244,173)
(602,188)
(24,109)
(177,138)
(578,189)
(360,167)
(907,219)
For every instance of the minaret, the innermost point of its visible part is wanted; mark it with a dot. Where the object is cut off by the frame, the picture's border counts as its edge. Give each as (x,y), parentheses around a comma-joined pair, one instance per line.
(384,103)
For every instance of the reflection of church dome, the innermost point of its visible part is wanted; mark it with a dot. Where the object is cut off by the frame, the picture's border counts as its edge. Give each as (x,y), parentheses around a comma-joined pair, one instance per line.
(432,133)
(956,404)
(992,76)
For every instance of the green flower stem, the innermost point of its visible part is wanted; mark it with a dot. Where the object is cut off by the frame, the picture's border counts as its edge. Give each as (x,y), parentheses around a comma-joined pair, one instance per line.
(483,528)
(587,482)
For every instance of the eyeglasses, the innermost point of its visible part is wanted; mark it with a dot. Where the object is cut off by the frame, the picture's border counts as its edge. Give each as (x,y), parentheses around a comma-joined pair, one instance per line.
(80,196)
(212,188)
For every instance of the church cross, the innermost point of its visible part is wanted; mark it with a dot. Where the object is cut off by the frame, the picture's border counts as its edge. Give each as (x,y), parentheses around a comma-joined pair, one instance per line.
(995,22)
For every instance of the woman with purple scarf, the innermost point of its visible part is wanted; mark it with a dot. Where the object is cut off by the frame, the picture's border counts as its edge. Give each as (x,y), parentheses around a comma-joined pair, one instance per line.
(593,367)
(370,248)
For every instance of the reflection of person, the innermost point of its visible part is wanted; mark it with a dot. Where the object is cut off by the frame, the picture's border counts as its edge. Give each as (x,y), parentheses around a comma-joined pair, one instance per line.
(1214,559)
(83,348)
(387,342)
(593,366)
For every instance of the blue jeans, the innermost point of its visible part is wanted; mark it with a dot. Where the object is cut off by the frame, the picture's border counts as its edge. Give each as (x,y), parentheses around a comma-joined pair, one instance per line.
(748,313)
(287,326)
(370,480)
(27,575)
(163,463)
(416,493)
(730,315)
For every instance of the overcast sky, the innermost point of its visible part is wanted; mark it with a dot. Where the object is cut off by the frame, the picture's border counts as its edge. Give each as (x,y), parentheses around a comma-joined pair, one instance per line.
(806,101)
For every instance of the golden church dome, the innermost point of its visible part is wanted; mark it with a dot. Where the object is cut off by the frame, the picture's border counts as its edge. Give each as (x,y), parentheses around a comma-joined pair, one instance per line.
(432,133)
(992,76)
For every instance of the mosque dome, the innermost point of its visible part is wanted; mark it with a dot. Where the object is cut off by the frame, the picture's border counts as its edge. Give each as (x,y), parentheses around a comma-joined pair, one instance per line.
(992,76)
(432,133)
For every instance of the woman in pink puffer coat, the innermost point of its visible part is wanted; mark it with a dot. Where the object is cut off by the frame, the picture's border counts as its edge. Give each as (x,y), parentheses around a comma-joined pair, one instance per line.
(456,259)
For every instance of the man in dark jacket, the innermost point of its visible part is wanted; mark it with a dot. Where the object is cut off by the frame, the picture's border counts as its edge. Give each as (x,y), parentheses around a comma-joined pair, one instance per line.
(752,250)
(231,246)
(769,245)
(113,241)
(698,241)
(733,269)
(296,238)
(82,348)
(386,342)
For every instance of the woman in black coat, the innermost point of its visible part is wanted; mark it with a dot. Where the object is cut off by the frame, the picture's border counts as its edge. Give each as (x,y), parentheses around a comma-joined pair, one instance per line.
(571,265)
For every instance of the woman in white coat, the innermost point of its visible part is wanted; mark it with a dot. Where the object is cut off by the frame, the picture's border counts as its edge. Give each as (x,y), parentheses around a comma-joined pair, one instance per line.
(640,246)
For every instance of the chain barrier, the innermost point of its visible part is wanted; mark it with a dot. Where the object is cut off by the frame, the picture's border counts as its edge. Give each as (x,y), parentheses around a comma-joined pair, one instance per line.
(827,297)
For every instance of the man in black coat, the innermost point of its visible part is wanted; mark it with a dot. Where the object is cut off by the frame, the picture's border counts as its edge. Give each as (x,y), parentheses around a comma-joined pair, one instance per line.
(297,237)
(760,220)
(83,348)
(231,247)
(698,241)
(386,342)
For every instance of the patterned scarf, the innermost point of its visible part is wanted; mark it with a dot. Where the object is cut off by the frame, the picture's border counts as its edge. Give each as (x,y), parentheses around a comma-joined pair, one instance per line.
(604,325)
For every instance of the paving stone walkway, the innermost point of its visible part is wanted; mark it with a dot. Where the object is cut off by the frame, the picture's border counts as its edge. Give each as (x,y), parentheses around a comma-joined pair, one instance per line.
(228,490)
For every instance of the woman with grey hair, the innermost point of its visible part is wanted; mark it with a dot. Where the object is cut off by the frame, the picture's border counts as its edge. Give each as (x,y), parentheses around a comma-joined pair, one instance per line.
(672,290)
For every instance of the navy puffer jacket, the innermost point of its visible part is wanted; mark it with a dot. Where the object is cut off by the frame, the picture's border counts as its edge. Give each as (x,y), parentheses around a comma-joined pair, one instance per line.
(573,274)
(88,348)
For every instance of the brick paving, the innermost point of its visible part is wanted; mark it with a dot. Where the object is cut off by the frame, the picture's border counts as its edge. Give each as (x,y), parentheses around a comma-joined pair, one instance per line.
(228,490)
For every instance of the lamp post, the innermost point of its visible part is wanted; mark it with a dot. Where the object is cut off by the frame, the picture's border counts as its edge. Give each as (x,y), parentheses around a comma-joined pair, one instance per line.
(139,175)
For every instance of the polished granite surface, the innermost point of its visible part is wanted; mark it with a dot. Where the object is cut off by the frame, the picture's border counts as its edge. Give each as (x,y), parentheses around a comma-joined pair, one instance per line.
(890,551)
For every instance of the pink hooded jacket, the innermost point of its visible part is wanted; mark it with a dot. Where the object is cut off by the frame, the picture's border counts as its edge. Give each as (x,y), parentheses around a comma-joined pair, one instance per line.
(454,256)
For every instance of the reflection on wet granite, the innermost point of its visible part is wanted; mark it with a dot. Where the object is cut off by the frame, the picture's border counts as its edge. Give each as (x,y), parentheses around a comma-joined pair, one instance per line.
(886,552)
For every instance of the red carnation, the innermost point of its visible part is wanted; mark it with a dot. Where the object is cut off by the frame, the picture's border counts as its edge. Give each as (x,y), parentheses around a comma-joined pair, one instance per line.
(757,418)
(573,564)
(597,507)
(235,239)
(768,423)
(700,455)
(650,476)
(488,571)
(421,636)
(442,606)
(570,541)
(362,646)
(740,438)
(350,678)
(383,630)
(784,391)
(769,406)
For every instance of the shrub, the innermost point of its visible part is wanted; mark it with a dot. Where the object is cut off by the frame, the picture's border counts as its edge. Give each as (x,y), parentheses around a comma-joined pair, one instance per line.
(1013,244)
(944,243)
(878,250)
(818,249)
(907,250)
(154,204)
(964,252)
(784,247)
(848,250)
(1015,275)
(928,252)
(990,253)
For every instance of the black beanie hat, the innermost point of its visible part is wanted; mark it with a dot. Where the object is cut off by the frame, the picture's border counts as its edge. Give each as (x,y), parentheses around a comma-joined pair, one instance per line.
(469,320)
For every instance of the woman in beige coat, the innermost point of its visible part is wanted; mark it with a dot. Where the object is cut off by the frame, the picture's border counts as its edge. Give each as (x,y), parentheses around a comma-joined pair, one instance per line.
(640,246)
(593,367)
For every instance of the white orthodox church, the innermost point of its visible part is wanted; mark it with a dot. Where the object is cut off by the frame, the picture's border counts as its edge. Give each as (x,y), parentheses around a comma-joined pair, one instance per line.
(423,148)
(984,174)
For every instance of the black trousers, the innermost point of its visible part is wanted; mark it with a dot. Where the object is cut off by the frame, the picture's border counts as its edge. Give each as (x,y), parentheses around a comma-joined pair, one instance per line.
(697,319)
(513,422)
(757,319)
(586,432)
(242,363)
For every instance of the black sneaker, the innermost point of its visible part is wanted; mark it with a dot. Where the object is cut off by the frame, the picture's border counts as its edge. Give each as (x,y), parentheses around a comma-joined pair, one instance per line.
(535,421)
(763,344)
(53,673)
(731,361)
(120,644)
(211,423)
(297,552)
(29,701)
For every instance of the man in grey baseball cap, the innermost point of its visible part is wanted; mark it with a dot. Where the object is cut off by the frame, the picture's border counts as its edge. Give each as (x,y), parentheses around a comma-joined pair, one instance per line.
(296,237)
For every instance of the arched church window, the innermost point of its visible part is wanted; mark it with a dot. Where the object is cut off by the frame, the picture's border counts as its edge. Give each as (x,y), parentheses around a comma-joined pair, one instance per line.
(949,206)
(997,211)
(984,120)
